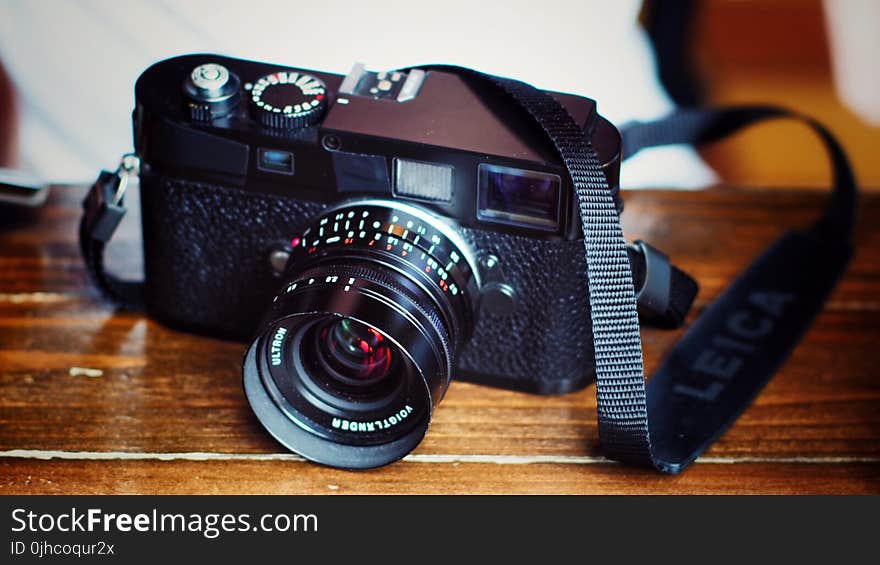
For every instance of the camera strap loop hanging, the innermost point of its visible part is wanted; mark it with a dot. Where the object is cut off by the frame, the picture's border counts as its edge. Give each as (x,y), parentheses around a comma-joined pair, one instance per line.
(103,209)
(739,342)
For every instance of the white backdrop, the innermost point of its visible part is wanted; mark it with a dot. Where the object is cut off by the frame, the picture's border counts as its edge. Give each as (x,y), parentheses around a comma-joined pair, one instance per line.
(75,63)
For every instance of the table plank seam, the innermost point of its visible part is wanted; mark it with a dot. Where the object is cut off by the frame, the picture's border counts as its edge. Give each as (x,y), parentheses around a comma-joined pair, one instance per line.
(442,458)
(48,297)
(39,297)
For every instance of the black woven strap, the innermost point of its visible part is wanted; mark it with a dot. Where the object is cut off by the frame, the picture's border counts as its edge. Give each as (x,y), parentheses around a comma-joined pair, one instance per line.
(620,381)
(736,346)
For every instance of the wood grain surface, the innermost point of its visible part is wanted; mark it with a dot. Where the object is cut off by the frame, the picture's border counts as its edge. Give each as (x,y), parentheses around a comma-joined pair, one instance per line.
(94,401)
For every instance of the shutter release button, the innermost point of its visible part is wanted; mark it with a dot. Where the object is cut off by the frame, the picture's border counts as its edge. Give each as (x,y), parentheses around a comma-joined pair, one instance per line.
(212,92)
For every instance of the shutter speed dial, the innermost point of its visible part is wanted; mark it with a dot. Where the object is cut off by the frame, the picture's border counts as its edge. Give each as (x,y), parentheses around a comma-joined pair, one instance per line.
(288,100)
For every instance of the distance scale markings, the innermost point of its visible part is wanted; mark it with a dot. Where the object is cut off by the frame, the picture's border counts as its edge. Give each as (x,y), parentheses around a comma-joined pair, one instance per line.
(400,234)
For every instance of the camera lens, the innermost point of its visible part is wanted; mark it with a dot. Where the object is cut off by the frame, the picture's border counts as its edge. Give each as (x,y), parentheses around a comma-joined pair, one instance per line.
(359,344)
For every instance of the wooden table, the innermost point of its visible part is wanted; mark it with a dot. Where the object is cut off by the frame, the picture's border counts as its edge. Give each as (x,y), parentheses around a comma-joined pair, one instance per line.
(93,401)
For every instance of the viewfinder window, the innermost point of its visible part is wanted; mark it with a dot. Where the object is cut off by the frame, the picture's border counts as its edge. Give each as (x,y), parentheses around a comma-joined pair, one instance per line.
(519,197)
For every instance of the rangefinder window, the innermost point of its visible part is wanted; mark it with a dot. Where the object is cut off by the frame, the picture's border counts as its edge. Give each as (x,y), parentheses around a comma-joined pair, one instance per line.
(518,197)
(423,181)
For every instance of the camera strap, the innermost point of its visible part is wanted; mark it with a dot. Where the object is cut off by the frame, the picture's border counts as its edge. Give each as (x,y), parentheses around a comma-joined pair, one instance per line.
(735,347)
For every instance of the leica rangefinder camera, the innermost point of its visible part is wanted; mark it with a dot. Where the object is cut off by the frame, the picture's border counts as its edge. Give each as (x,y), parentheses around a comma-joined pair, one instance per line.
(372,235)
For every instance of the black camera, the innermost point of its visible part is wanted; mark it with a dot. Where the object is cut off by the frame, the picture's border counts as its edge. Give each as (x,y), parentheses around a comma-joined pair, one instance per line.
(399,228)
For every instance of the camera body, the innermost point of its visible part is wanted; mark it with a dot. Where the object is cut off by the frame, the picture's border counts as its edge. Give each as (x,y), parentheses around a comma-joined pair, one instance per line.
(239,157)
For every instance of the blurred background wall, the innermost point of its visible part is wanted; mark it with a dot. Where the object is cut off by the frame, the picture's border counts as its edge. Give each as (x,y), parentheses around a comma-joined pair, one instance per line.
(820,58)
(73,65)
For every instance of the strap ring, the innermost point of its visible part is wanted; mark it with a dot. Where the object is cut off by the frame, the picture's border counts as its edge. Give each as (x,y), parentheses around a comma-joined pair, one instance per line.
(129,166)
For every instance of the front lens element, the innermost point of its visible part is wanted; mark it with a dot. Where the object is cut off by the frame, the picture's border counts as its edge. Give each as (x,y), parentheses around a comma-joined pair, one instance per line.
(358,353)
(519,197)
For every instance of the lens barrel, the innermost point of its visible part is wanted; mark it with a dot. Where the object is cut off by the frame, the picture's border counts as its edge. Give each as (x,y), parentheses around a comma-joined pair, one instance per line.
(359,344)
